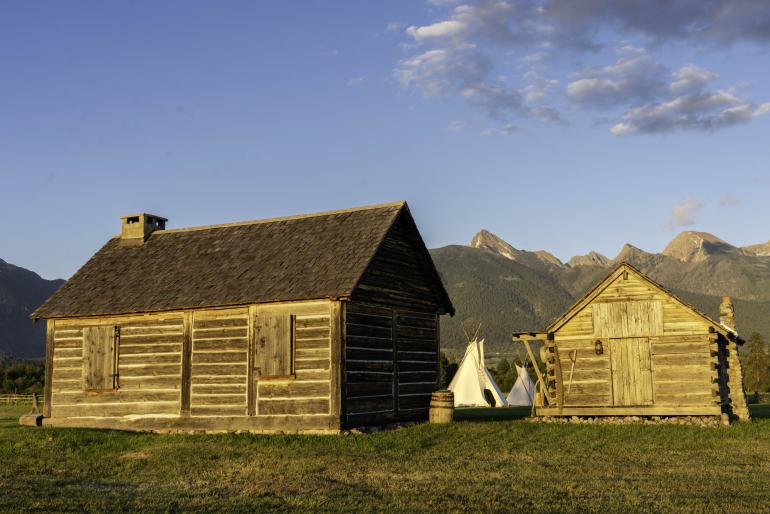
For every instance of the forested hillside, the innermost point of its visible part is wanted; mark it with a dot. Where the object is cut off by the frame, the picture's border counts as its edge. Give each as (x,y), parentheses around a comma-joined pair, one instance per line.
(21,292)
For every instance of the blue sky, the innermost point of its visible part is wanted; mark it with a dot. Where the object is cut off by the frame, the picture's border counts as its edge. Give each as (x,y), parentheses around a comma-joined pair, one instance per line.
(566,126)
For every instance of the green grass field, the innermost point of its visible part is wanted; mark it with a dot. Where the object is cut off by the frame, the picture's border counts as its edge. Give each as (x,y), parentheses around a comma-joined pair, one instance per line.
(505,464)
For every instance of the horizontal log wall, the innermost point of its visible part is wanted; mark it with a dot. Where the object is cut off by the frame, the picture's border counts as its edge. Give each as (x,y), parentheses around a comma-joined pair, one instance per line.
(309,392)
(150,360)
(591,379)
(417,361)
(391,363)
(149,369)
(682,372)
(369,363)
(219,376)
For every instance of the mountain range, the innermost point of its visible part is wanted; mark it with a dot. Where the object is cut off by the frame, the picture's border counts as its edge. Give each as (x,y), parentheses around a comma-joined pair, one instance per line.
(21,292)
(498,289)
(505,289)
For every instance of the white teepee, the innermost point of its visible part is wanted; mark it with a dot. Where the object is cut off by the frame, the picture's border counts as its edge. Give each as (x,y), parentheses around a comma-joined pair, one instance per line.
(523,391)
(473,385)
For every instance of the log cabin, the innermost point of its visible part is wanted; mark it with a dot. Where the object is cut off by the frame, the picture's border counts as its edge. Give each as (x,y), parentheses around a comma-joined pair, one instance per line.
(313,324)
(630,347)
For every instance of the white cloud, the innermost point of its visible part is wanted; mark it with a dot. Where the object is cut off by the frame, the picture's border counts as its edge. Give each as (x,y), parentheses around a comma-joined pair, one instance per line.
(629,79)
(537,87)
(684,212)
(693,111)
(692,77)
(729,200)
(356,81)
(499,21)
(440,29)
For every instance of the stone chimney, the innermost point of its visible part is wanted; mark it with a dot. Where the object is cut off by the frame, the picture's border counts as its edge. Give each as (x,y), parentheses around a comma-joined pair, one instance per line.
(136,228)
(727,312)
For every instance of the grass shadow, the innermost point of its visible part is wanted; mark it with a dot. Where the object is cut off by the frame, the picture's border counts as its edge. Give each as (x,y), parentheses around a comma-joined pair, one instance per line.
(758,411)
(492,413)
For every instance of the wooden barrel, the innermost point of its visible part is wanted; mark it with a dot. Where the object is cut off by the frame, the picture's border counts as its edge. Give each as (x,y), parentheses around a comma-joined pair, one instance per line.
(442,407)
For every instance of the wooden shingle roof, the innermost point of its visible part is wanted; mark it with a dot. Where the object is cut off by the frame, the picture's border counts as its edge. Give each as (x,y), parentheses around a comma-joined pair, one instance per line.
(303,257)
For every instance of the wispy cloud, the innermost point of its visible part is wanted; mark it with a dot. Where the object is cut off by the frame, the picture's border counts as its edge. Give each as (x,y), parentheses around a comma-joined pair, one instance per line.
(729,200)
(395,26)
(457,126)
(356,81)
(700,110)
(505,130)
(683,213)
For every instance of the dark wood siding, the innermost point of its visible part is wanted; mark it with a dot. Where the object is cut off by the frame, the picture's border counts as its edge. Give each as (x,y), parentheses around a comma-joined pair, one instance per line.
(391,363)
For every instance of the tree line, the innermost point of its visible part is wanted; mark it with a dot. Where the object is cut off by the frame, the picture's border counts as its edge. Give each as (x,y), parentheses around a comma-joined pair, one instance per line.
(756,365)
(21,377)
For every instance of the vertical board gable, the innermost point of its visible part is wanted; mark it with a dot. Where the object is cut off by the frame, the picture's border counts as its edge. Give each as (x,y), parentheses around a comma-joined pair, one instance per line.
(643,303)
(628,319)
(399,273)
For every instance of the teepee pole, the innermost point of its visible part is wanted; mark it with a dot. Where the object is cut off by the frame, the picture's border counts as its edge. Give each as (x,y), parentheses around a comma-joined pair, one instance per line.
(540,380)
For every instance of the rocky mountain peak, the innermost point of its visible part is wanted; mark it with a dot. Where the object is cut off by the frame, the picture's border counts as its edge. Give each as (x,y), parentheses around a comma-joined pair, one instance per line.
(760,250)
(590,259)
(488,240)
(631,254)
(691,246)
(548,258)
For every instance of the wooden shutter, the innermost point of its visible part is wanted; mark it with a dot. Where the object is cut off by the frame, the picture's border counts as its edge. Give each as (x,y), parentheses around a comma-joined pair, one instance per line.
(628,319)
(99,357)
(275,354)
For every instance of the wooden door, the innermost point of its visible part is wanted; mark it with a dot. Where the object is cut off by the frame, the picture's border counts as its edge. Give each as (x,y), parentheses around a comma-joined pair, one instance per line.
(631,371)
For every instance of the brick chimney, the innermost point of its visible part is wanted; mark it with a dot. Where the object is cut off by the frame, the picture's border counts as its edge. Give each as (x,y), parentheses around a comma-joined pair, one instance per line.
(136,228)
(727,312)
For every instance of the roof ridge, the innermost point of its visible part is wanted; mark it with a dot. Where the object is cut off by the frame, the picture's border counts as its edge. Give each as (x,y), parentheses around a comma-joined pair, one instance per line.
(281,218)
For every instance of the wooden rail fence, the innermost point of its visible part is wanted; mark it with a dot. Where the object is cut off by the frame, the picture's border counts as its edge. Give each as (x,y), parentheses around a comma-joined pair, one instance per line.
(20,399)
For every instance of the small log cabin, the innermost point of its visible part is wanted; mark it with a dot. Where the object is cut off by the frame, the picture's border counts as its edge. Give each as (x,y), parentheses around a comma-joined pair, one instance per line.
(312,323)
(630,347)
